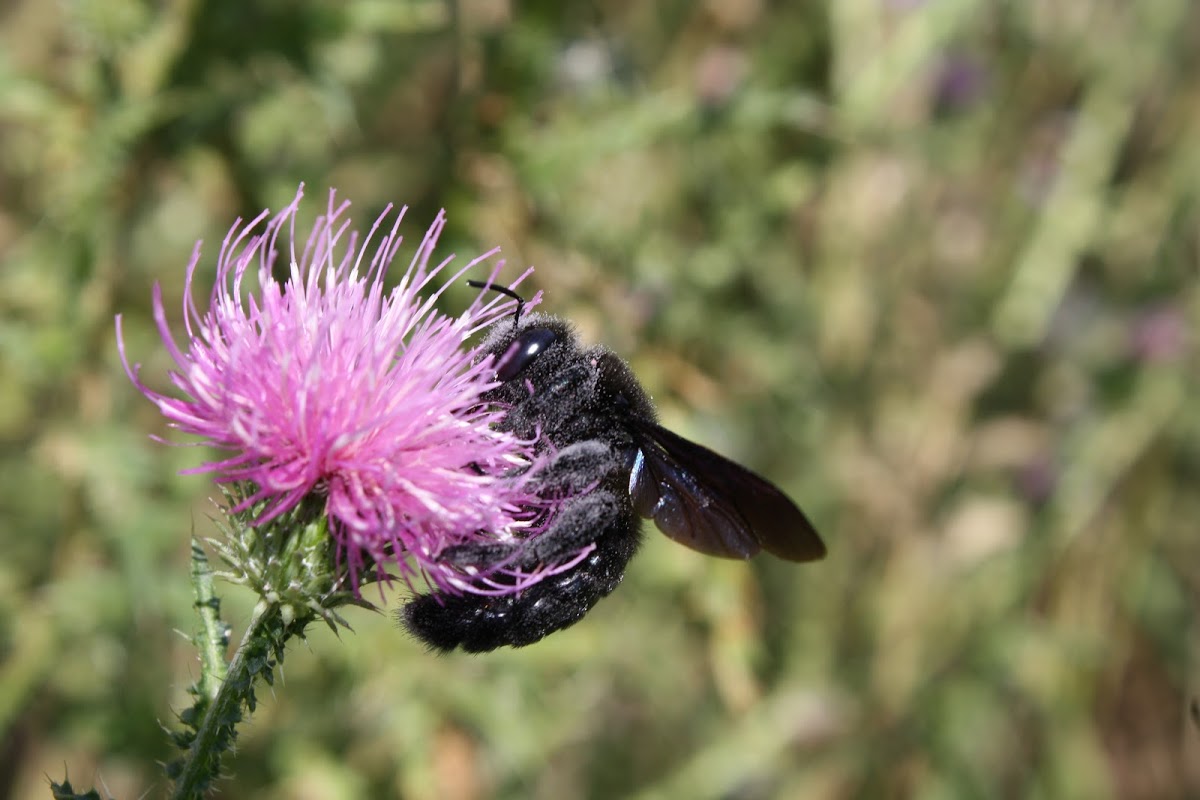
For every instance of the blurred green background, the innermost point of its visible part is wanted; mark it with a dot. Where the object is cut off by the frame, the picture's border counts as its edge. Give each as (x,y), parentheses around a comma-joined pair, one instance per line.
(934,267)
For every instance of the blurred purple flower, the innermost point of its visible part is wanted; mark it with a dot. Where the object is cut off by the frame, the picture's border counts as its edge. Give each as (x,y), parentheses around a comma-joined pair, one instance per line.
(326,386)
(1038,479)
(960,82)
(1160,335)
(719,74)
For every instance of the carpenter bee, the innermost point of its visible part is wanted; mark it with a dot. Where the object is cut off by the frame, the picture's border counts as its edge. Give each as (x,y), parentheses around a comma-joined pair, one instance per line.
(616,464)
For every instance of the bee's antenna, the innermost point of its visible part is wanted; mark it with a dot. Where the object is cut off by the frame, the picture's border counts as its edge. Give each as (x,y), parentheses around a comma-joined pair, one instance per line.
(504,290)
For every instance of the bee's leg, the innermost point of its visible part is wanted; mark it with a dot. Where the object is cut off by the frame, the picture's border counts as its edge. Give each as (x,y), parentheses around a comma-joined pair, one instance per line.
(577,524)
(572,469)
(481,554)
(575,468)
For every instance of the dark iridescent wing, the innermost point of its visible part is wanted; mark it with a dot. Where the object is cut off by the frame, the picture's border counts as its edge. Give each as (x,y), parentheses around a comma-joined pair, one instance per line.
(707,502)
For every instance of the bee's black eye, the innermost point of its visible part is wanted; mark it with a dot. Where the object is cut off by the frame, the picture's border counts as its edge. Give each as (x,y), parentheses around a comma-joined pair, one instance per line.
(524,349)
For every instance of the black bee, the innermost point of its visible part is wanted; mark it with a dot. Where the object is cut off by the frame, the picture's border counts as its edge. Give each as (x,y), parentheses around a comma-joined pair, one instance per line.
(617,464)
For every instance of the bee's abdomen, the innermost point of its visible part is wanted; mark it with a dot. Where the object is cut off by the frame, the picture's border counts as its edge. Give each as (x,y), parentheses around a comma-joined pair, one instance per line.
(478,624)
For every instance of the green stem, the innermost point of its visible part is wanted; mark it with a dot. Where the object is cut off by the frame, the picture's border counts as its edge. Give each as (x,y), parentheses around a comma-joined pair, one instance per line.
(213,639)
(215,732)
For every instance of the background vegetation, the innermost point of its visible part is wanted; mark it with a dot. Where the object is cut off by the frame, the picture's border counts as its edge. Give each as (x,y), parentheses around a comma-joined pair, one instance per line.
(932,266)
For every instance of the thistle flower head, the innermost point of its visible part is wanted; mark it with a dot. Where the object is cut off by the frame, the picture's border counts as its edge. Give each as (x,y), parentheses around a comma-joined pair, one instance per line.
(325,385)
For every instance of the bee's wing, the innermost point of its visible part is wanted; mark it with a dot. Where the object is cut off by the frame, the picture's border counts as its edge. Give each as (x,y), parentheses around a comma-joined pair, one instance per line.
(705,501)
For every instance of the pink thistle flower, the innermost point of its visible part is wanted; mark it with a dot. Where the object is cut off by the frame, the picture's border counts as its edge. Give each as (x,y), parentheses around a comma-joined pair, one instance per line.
(326,385)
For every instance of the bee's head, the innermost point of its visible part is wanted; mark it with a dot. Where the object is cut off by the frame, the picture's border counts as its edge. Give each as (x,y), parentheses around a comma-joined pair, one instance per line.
(552,386)
(531,350)
(519,346)
(527,345)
